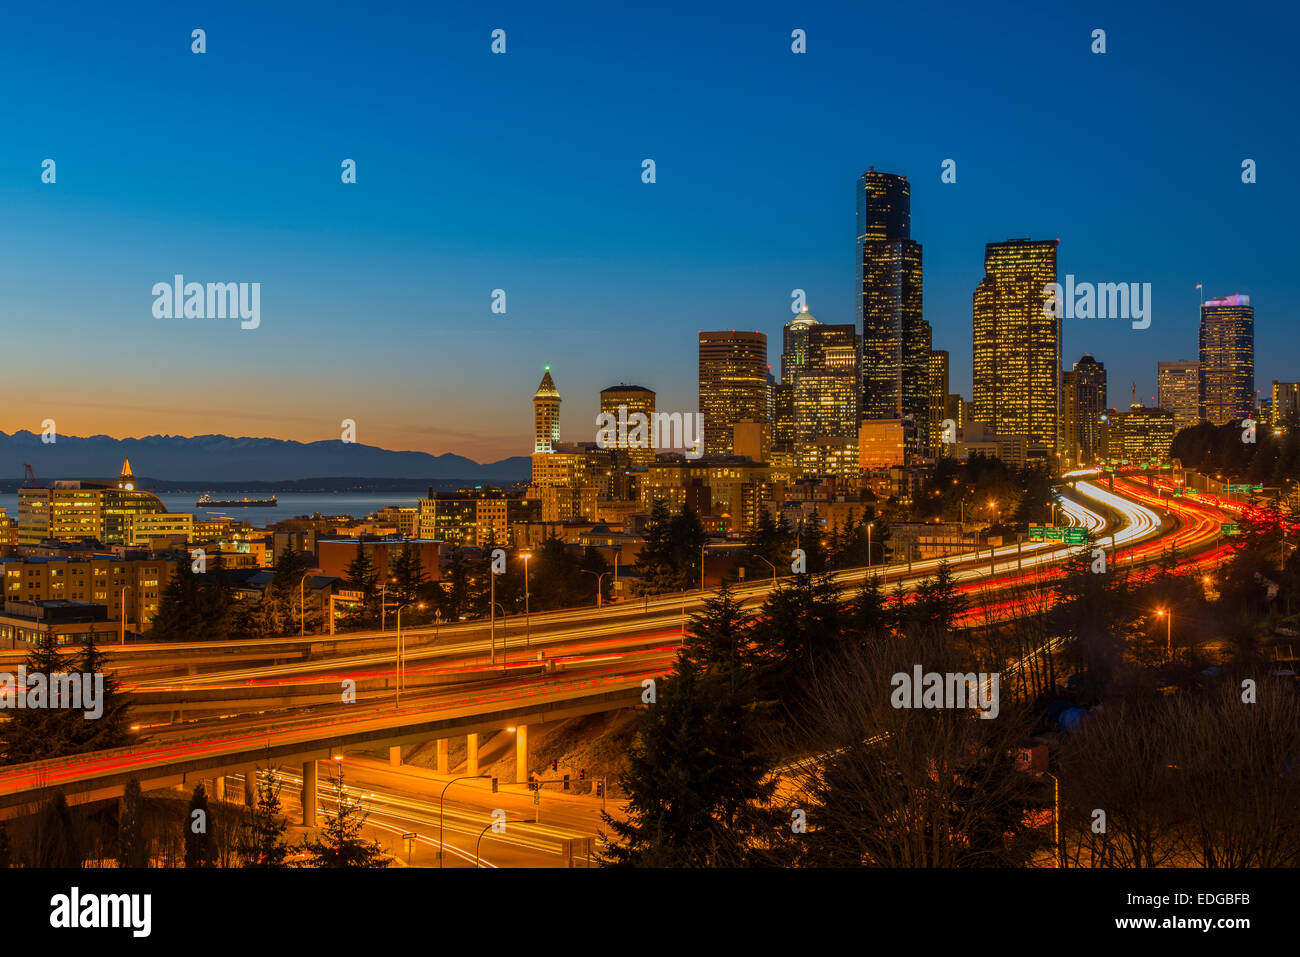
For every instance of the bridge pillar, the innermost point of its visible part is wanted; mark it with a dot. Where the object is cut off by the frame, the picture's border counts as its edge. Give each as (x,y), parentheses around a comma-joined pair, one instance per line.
(309,793)
(471,754)
(219,788)
(521,753)
(444,756)
(395,756)
(250,783)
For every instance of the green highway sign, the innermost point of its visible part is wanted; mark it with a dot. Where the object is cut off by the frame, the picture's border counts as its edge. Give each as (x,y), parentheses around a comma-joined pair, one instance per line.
(1231,528)
(1076,536)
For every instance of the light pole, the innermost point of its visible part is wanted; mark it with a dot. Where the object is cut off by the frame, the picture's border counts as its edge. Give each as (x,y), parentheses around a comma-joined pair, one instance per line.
(492,613)
(870,526)
(442,804)
(1056,818)
(769,565)
(1169,632)
(383,604)
(599,578)
(122,604)
(479,843)
(302,605)
(399,668)
(528,628)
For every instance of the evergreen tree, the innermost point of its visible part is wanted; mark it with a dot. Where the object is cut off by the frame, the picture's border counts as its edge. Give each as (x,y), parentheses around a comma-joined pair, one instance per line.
(58,838)
(112,729)
(720,636)
(655,561)
(265,845)
(132,849)
(360,576)
(799,626)
(199,850)
(340,843)
(696,778)
(35,734)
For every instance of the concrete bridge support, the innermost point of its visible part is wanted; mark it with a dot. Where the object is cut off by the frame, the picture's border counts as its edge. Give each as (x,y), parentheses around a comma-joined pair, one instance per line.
(471,754)
(444,756)
(395,756)
(521,753)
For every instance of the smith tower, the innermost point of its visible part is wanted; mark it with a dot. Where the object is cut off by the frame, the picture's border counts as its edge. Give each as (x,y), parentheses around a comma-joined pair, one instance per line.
(546,415)
(895,337)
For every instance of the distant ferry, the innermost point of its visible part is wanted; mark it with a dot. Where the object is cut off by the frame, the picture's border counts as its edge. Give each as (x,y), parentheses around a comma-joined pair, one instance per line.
(209,502)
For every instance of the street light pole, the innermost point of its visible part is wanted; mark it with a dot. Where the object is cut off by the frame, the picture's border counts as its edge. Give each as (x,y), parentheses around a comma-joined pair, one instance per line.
(769,565)
(528,627)
(492,614)
(302,606)
(400,649)
(870,526)
(442,805)
(122,604)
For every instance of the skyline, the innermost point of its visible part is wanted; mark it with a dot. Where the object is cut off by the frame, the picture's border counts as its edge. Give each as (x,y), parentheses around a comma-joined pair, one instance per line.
(376,296)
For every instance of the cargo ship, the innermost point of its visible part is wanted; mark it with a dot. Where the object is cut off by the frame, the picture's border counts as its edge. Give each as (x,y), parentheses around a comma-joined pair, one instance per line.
(207,501)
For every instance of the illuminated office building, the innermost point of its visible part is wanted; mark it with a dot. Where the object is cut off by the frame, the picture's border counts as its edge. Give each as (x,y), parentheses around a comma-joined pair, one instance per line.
(825,400)
(71,510)
(1178,389)
(1286,405)
(733,385)
(633,398)
(937,398)
(895,353)
(1017,344)
(1227,392)
(1083,401)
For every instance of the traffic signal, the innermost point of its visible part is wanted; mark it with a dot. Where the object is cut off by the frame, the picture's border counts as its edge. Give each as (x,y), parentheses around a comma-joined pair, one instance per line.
(555,765)
(582,774)
(494,785)
(533,786)
(600,789)
(566,782)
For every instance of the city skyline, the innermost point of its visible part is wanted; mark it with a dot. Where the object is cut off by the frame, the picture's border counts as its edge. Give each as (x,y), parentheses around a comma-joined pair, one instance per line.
(405,260)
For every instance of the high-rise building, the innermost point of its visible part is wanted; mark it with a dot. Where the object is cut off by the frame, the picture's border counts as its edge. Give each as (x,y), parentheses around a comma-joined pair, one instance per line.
(1178,390)
(825,397)
(1017,344)
(895,337)
(546,415)
(633,398)
(937,397)
(794,342)
(1138,436)
(1083,402)
(1286,405)
(733,384)
(1227,391)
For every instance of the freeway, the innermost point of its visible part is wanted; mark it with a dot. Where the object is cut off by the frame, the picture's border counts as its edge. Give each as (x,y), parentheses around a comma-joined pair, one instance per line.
(597,676)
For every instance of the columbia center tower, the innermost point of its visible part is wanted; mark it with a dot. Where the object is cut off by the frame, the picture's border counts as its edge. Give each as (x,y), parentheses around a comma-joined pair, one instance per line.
(895,338)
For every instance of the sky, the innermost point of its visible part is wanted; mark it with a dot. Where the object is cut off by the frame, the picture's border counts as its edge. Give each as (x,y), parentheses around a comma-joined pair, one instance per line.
(523,172)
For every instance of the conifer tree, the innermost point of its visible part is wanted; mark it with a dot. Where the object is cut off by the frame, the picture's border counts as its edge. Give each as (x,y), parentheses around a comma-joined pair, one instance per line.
(132,849)
(340,843)
(199,850)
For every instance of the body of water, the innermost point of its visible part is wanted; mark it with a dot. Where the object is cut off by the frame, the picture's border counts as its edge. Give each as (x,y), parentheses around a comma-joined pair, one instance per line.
(290,504)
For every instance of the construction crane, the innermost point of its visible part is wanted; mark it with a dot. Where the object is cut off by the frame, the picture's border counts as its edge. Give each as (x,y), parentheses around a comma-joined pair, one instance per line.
(30,481)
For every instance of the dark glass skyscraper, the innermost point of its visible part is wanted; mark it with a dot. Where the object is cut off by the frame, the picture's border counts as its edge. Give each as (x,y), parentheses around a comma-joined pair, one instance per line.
(1083,402)
(895,337)
(1227,359)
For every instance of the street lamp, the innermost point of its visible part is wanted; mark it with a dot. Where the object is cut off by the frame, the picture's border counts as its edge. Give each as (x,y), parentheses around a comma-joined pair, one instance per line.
(479,843)
(302,605)
(769,565)
(599,578)
(383,603)
(870,526)
(400,649)
(442,804)
(1169,631)
(528,628)
(122,605)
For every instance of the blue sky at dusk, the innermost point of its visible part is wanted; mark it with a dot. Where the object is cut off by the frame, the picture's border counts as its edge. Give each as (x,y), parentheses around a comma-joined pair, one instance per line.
(523,172)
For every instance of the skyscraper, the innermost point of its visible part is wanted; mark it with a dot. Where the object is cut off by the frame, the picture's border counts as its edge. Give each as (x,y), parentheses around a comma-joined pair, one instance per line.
(1227,392)
(1017,343)
(546,415)
(937,398)
(1286,405)
(895,337)
(794,342)
(1178,390)
(1083,403)
(826,397)
(733,384)
(633,398)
